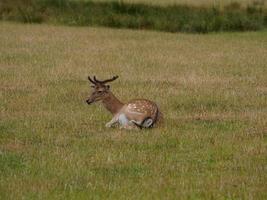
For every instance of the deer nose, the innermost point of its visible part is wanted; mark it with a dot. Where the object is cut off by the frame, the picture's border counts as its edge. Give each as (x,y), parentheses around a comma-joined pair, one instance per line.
(89,101)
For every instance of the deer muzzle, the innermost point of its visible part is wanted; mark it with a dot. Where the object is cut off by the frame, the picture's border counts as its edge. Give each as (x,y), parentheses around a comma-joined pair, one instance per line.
(88,101)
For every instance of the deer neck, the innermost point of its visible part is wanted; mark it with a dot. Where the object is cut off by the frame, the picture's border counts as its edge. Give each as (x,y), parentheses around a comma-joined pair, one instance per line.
(112,104)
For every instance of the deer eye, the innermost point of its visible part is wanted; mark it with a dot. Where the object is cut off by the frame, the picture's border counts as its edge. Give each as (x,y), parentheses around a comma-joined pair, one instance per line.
(99,92)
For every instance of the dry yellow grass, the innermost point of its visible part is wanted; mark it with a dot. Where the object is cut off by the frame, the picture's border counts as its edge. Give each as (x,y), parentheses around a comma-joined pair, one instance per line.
(211,88)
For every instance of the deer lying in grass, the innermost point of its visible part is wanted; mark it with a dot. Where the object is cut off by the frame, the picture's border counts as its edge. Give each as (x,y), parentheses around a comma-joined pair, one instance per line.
(139,113)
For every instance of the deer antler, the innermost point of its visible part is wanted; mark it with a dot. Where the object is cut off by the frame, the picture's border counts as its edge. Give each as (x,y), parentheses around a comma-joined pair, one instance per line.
(89,78)
(106,81)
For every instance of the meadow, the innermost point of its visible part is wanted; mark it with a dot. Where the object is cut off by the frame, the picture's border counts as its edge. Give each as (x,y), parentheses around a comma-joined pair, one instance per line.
(211,88)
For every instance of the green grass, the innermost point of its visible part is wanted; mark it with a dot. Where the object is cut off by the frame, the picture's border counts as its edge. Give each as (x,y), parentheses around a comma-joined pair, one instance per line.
(185,2)
(211,89)
(120,14)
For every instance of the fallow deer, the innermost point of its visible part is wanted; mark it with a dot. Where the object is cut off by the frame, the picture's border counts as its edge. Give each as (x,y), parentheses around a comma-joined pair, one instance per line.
(138,113)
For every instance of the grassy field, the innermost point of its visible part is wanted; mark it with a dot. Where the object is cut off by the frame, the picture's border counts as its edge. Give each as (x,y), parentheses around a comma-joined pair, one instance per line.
(211,88)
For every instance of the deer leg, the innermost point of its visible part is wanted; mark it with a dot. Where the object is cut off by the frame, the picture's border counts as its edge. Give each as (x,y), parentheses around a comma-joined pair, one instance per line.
(130,126)
(113,121)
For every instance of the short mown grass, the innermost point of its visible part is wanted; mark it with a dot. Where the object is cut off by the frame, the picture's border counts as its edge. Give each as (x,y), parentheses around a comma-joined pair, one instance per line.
(211,89)
(120,14)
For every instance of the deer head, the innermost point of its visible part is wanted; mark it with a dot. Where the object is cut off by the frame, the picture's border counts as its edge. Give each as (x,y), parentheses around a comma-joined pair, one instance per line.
(100,89)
